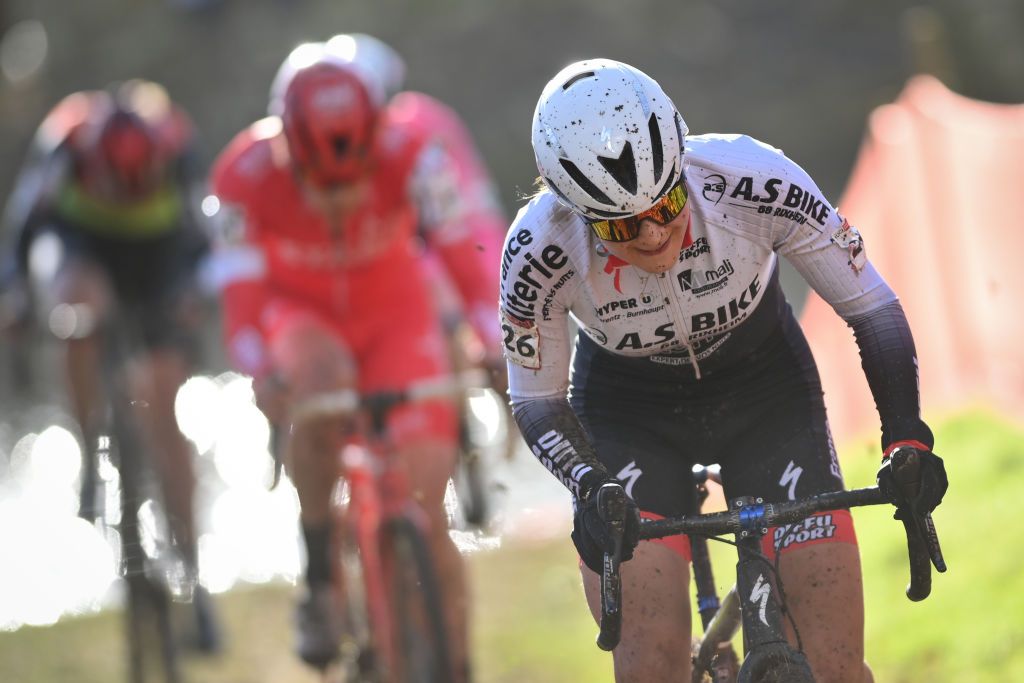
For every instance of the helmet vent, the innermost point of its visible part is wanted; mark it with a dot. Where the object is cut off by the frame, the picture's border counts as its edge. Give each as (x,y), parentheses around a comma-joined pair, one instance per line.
(622,169)
(668,184)
(577,77)
(659,159)
(584,182)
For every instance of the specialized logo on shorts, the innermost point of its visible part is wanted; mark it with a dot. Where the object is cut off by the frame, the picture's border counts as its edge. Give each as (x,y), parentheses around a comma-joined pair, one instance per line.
(790,477)
(629,476)
(817,528)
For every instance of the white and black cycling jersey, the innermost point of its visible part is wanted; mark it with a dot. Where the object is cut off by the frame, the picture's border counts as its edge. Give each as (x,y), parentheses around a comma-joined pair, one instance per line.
(750,203)
(716,325)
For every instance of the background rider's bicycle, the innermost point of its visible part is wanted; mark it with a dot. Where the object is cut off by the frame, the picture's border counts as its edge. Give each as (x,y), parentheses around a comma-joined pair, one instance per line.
(384,575)
(757,600)
(120,495)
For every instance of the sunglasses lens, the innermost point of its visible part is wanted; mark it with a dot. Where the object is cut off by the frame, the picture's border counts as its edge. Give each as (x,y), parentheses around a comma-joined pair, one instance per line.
(626,229)
(617,230)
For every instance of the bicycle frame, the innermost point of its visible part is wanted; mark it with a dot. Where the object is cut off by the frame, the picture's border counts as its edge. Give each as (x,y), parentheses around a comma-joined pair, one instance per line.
(378,494)
(379,497)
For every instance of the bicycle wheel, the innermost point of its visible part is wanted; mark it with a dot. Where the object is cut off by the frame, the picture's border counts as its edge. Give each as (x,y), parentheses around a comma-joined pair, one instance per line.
(152,650)
(775,663)
(420,634)
(358,661)
(471,486)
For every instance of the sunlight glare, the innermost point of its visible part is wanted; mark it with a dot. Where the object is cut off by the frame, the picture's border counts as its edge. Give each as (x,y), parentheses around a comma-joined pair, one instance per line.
(197,408)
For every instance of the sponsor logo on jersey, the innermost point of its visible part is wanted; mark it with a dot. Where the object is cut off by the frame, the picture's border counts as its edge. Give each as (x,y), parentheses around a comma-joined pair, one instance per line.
(522,293)
(614,306)
(635,340)
(703,282)
(703,325)
(696,248)
(709,323)
(847,237)
(798,204)
(557,454)
(701,349)
(714,187)
(545,307)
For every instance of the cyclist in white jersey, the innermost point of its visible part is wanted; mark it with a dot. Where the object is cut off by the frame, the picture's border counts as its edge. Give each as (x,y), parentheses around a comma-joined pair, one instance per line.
(663,248)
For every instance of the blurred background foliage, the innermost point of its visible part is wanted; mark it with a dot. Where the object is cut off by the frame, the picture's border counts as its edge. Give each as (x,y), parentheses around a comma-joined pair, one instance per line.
(800,74)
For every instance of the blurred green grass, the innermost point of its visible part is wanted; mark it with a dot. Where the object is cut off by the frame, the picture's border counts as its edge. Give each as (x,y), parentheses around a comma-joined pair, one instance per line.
(531,622)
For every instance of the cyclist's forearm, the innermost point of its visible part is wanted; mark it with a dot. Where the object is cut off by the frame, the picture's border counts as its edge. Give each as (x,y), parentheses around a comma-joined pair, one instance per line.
(556,437)
(889,359)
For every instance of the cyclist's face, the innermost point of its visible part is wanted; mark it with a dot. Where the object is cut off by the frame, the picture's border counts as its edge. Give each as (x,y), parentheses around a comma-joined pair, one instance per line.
(656,248)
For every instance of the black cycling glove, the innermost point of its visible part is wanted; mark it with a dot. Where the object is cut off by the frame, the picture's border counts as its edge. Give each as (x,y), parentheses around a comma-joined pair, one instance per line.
(591,533)
(912,478)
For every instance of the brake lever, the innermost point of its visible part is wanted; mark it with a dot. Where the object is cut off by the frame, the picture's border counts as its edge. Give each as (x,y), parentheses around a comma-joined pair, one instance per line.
(611,505)
(922,539)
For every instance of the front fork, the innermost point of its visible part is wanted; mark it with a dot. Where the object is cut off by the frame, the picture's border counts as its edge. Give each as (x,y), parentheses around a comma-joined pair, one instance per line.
(758,592)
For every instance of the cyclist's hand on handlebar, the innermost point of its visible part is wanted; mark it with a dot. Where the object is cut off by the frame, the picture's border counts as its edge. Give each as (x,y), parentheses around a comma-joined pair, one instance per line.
(912,478)
(591,533)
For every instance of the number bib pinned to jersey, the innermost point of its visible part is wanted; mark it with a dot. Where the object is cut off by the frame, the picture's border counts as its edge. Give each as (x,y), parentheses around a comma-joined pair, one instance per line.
(521,341)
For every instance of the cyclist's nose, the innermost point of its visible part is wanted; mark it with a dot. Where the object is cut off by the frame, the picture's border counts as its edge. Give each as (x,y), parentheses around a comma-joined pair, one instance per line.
(651,233)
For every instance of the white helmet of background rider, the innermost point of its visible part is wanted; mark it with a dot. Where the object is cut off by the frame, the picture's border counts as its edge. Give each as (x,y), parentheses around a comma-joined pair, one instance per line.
(379,60)
(380,68)
(607,139)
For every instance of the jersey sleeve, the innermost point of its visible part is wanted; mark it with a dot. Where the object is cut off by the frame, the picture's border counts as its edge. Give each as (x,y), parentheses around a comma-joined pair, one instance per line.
(823,247)
(462,230)
(537,285)
(830,254)
(237,268)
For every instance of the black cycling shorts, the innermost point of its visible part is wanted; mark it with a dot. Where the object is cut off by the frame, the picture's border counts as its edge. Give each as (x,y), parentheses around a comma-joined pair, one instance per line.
(762,419)
(150,278)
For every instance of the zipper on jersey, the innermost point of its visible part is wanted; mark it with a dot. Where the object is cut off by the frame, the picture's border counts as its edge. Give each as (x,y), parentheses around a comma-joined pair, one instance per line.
(678,317)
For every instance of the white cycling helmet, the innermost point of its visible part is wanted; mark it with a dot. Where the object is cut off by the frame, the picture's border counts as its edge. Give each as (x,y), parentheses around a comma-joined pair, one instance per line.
(378,60)
(607,139)
(379,67)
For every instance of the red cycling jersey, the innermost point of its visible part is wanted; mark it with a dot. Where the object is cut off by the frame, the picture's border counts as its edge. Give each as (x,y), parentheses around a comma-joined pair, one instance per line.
(368,279)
